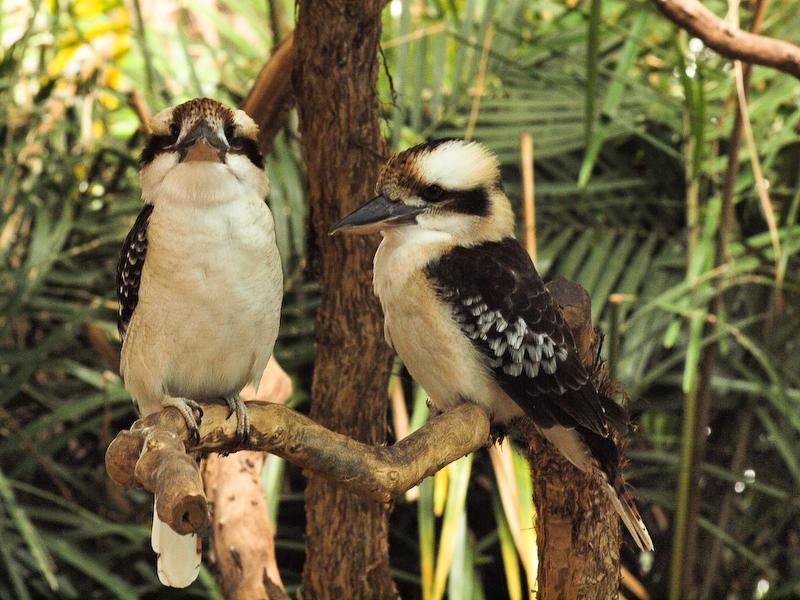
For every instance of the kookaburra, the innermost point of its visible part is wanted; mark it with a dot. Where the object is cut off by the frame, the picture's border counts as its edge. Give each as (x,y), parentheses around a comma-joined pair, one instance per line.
(199,281)
(470,317)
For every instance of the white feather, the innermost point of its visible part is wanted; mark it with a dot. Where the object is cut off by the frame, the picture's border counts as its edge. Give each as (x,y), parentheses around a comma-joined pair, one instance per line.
(569,443)
(210,296)
(179,556)
(458,165)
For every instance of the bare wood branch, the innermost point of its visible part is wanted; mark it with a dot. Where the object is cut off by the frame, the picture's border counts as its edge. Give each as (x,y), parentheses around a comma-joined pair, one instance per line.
(730,41)
(151,454)
(243,545)
(139,106)
(271,97)
(243,540)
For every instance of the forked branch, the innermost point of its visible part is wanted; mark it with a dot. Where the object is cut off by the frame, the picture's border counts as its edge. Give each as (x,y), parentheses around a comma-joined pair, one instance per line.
(152,454)
(730,41)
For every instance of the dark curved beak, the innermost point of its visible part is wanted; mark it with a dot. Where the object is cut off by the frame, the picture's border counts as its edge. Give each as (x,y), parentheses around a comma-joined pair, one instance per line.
(202,144)
(377,214)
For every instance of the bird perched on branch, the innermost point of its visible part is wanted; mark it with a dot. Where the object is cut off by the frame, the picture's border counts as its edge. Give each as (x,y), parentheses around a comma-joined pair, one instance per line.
(199,281)
(469,315)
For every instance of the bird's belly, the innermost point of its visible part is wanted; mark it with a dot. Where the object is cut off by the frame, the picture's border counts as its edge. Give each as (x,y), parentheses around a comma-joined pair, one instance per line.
(438,356)
(217,343)
(446,379)
(209,307)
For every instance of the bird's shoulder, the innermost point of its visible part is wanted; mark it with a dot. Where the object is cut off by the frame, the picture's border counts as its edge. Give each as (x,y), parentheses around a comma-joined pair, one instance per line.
(493,282)
(501,303)
(129,268)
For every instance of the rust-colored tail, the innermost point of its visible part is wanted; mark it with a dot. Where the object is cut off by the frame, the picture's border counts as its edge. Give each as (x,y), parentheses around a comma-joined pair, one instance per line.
(625,507)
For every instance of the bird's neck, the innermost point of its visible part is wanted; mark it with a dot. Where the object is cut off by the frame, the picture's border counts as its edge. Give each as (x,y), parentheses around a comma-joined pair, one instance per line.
(201,185)
(500,224)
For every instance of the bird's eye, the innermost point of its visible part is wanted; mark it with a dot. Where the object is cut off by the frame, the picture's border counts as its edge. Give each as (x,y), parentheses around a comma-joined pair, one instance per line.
(174,131)
(229,133)
(432,193)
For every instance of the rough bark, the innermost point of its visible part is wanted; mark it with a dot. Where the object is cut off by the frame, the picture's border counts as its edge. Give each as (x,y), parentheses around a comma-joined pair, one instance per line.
(336,67)
(578,532)
(242,540)
(730,41)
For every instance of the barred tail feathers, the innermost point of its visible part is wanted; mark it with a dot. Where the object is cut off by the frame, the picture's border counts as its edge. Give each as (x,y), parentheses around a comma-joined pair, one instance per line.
(178,555)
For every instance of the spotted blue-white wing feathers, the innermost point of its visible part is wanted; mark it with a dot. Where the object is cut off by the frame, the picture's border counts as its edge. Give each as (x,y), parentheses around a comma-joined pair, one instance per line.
(500,303)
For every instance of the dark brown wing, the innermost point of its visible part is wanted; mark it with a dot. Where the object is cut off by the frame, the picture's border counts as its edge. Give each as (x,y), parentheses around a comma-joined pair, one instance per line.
(129,269)
(502,305)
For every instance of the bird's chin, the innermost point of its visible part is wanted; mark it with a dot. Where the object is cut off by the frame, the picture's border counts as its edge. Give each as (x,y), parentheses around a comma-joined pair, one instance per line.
(201,173)
(202,181)
(202,165)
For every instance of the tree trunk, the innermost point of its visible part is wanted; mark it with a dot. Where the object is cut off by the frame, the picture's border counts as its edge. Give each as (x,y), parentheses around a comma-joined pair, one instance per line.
(577,530)
(336,45)
(243,542)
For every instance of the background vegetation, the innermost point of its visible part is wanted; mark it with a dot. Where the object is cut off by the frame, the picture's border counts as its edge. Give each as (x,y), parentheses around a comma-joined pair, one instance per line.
(631,122)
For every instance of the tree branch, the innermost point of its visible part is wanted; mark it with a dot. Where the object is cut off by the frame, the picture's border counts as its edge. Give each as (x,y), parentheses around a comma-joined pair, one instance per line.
(243,539)
(577,530)
(243,542)
(152,454)
(272,95)
(729,41)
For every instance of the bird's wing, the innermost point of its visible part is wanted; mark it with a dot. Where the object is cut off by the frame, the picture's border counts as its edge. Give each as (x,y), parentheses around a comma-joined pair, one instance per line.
(129,268)
(500,302)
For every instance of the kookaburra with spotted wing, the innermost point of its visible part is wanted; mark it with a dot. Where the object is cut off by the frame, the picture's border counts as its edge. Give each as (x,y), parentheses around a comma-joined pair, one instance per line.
(199,281)
(470,317)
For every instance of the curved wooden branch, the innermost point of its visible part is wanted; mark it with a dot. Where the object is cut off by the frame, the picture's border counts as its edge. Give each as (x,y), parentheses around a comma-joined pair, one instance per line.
(272,97)
(151,454)
(155,458)
(729,41)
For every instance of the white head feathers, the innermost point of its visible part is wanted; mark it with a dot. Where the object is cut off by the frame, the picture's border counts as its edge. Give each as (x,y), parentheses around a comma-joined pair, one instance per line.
(458,165)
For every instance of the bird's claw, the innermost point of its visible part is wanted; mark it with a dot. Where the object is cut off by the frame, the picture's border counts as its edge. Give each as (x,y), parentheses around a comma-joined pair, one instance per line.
(237,405)
(188,408)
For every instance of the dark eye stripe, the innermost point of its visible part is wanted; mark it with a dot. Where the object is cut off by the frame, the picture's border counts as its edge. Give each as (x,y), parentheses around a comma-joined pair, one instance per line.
(468,202)
(230,131)
(248,148)
(238,145)
(155,145)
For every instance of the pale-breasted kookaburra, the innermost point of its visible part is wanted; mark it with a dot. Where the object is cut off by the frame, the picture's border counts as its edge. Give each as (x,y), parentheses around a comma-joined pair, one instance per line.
(199,281)
(470,317)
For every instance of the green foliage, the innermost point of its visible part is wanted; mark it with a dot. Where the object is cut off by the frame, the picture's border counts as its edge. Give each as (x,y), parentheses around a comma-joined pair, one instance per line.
(630,121)
(628,203)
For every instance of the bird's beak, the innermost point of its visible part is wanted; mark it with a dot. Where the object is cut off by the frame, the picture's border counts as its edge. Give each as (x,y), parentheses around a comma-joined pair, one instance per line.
(202,144)
(379,213)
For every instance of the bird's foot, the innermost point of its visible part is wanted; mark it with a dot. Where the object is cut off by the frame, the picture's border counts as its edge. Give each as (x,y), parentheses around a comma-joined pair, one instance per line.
(188,408)
(432,410)
(237,405)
